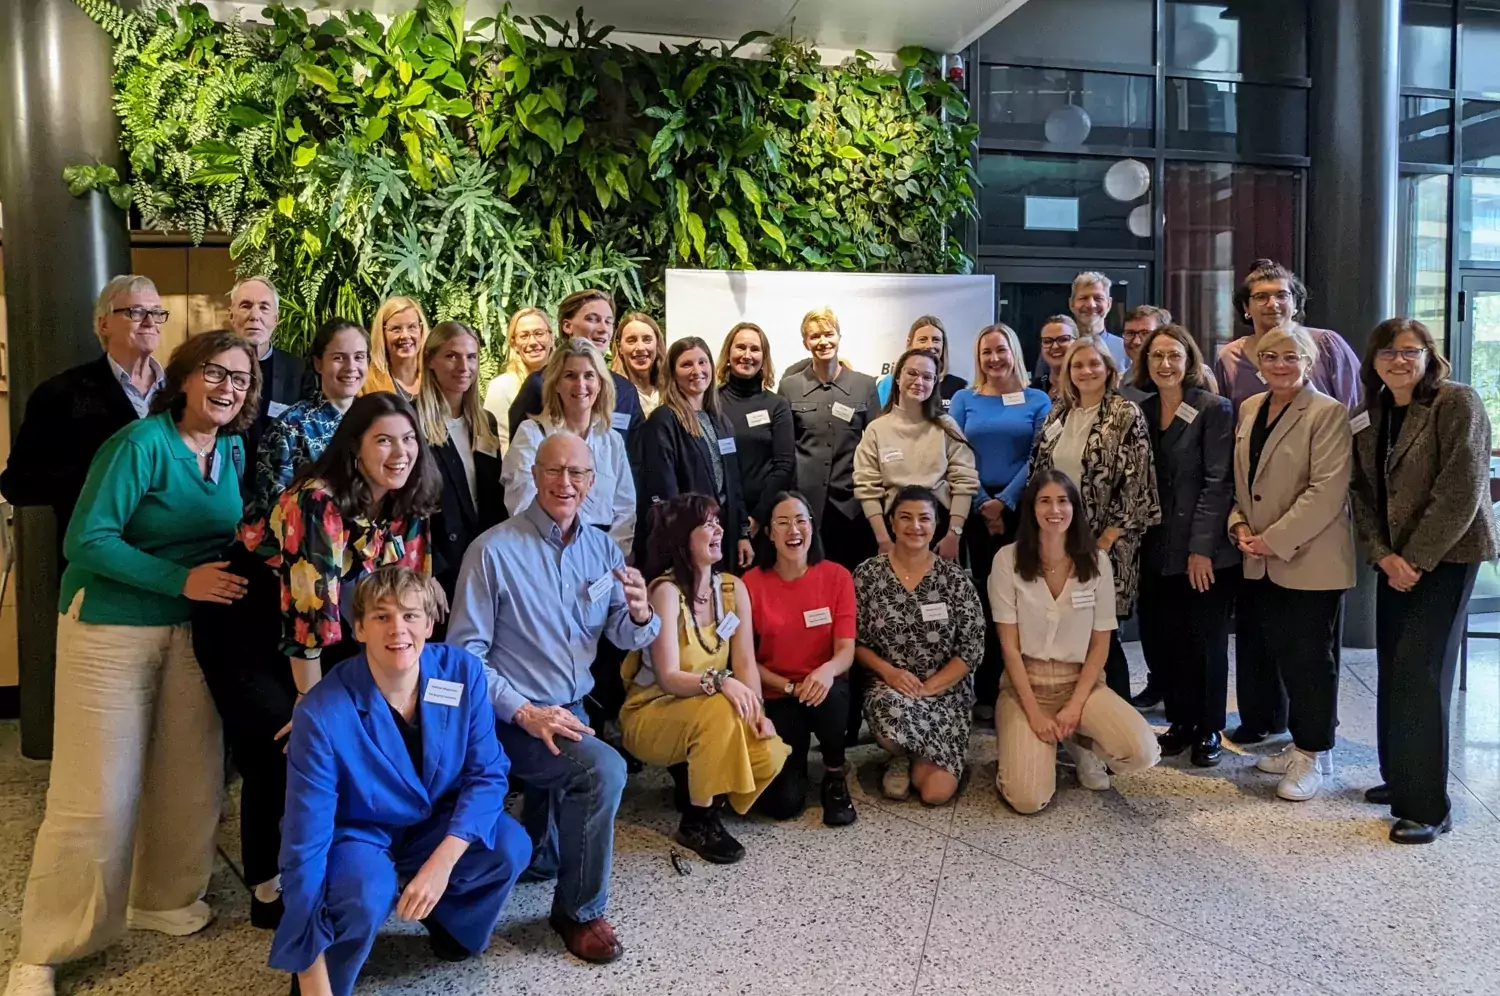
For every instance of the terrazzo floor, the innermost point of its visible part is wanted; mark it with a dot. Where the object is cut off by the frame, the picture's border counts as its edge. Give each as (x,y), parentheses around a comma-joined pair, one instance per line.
(1177,881)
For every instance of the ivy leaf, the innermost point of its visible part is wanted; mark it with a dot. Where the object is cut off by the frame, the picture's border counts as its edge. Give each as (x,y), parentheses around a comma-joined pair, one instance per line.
(848,152)
(304,155)
(573,130)
(912,77)
(286,204)
(851,115)
(316,74)
(814,257)
(519,174)
(698,234)
(887,146)
(732,233)
(957,109)
(80,179)
(121,194)
(910,55)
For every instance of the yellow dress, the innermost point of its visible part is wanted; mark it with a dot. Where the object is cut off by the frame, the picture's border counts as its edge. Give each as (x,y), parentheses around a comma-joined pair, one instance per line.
(723,754)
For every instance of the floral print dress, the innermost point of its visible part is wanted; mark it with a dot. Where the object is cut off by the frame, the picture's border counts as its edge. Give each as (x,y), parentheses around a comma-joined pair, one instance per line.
(890,622)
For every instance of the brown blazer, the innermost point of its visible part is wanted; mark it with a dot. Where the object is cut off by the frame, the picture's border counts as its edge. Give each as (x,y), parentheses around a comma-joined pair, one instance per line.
(1299,500)
(1437,483)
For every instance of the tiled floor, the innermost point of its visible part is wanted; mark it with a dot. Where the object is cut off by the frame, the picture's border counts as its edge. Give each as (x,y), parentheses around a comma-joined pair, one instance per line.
(1177,882)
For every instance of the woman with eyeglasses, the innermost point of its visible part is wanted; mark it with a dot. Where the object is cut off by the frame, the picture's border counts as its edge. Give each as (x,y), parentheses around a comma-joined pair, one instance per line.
(1058,333)
(929,333)
(129,832)
(528,338)
(1421,502)
(640,356)
(397,337)
(1189,567)
(762,420)
(1292,460)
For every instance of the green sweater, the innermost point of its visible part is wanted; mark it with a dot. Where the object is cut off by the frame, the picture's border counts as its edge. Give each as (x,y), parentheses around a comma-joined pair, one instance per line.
(146,516)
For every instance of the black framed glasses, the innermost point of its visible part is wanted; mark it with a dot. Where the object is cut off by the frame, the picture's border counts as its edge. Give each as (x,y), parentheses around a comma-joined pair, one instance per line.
(138,314)
(1409,355)
(213,373)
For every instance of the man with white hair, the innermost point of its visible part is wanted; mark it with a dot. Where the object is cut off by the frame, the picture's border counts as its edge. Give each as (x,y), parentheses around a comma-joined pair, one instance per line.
(69,416)
(254,309)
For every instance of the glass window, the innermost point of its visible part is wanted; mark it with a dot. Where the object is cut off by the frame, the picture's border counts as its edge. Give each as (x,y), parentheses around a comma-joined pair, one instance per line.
(1484,360)
(1059,202)
(1118,31)
(1426,130)
(1481,41)
(1208,36)
(1427,43)
(1066,108)
(1479,219)
(1481,133)
(1236,118)
(1422,245)
(1220,218)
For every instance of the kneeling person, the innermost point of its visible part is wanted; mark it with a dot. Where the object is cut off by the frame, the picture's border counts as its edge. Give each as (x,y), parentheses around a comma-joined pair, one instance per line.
(394,776)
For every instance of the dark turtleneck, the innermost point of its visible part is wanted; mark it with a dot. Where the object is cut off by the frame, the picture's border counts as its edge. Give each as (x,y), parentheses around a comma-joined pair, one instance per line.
(767,449)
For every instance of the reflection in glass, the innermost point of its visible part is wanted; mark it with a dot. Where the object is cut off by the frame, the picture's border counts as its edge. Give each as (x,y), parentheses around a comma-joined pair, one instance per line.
(1481,133)
(1213,36)
(1484,365)
(1481,46)
(1236,118)
(1427,44)
(1220,218)
(1479,219)
(1117,31)
(1422,252)
(1024,105)
(1426,130)
(1055,202)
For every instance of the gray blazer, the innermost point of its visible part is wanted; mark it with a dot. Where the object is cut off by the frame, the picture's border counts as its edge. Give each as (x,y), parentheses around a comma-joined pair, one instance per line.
(1437,482)
(1195,481)
(1299,500)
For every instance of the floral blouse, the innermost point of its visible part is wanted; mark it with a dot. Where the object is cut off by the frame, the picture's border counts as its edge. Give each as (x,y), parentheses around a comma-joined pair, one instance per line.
(317,552)
(297,437)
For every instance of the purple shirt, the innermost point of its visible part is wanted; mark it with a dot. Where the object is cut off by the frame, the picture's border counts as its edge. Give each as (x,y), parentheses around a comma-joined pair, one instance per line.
(1336,373)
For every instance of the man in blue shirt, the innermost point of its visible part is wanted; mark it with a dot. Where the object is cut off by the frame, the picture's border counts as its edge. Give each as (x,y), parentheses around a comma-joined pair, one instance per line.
(534,595)
(1090,304)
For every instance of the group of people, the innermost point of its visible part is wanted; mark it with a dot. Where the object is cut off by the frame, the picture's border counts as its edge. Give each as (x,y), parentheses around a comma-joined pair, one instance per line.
(389,590)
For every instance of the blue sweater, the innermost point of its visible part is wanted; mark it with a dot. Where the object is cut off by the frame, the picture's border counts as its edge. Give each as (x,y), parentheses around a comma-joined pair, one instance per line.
(1001,436)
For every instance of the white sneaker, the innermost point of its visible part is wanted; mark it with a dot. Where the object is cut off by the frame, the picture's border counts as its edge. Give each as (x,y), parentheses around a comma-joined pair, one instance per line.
(896,783)
(1303,777)
(30,980)
(1092,772)
(175,923)
(1279,762)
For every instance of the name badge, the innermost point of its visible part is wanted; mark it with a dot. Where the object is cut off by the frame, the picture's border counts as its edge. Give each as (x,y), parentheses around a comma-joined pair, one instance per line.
(619,420)
(1360,422)
(843,411)
(726,446)
(935,612)
(275,408)
(727,626)
(445,693)
(600,588)
(947,403)
(817,617)
(1084,599)
(1260,376)
(1052,431)
(1187,413)
(892,456)
(761,417)
(1013,398)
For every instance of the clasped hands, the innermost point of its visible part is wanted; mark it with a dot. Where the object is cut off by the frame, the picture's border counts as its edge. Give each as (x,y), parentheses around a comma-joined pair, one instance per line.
(1058,727)
(909,684)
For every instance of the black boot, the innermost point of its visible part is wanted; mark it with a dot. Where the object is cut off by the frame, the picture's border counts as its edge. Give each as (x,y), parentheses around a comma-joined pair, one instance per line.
(680,800)
(266,916)
(1149,697)
(838,808)
(701,832)
(1176,740)
(444,945)
(1207,750)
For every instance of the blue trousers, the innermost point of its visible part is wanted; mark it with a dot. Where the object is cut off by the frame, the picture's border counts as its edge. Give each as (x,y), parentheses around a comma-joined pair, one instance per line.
(364,884)
(569,812)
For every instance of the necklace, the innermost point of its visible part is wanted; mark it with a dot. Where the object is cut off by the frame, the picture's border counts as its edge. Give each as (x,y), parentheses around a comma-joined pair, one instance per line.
(907,576)
(692,617)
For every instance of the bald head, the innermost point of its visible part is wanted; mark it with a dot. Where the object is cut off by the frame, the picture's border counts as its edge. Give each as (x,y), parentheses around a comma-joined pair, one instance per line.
(563,473)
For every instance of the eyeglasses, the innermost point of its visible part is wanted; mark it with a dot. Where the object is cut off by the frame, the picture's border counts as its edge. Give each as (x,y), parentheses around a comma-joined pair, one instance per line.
(575,475)
(1266,297)
(1175,359)
(532,336)
(414,329)
(1128,334)
(1290,359)
(213,373)
(158,315)
(785,523)
(1048,341)
(1409,355)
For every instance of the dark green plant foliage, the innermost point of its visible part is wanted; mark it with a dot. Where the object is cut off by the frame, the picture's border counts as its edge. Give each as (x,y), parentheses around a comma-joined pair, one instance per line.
(508,163)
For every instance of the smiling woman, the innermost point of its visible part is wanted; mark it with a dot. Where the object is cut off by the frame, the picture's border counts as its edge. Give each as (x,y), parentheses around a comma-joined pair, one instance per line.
(397,337)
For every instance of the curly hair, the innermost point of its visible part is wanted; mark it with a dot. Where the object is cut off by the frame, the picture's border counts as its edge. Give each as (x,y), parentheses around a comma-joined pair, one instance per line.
(189,358)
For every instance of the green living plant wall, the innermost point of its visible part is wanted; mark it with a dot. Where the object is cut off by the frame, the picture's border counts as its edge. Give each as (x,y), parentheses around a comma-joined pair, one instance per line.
(489,166)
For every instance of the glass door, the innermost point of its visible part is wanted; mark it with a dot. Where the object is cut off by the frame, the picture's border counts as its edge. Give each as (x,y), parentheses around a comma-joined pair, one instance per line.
(1028,293)
(1476,353)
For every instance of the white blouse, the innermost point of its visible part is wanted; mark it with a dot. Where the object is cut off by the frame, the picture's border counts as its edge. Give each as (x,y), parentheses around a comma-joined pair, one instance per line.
(610,503)
(497,401)
(1067,455)
(1052,629)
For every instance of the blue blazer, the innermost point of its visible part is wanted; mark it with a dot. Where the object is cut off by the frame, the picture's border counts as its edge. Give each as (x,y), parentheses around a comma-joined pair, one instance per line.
(350,778)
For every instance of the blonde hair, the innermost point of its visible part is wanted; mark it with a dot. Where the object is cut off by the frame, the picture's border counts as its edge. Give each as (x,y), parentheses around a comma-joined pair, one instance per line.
(514,364)
(821,316)
(936,323)
(618,364)
(398,583)
(1111,379)
(1298,336)
(432,407)
(1016,358)
(127,283)
(380,378)
(604,403)
(767,368)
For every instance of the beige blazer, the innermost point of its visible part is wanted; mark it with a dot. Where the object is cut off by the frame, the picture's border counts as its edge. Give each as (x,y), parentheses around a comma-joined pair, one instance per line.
(1299,500)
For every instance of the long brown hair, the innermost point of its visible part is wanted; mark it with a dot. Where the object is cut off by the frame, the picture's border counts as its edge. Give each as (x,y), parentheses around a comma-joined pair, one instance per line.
(767,368)
(672,395)
(654,376)
(189,357)
(672,524)
(338,467)
(1192,374)
(1438,367)
(932,408)
(1078,544)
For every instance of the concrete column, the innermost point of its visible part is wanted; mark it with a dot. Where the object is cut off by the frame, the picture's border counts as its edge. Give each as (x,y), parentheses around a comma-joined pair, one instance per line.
(56,109)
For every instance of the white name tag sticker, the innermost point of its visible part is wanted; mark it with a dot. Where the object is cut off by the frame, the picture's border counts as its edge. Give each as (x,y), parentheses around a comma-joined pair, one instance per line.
(843,411)
(817,617)
(619,420)
(726,446)
(947,403)
(1084,599)
(1360,422)
(1187,413)
(446,693)
(892,456)
(761,417)
(1013,398)
(935,612)
(600,588)
(275,408)
(1052,431)
(1260,376)
(727,626)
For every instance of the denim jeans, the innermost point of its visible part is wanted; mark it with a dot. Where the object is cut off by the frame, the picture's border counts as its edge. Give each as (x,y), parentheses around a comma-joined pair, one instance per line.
(569,812)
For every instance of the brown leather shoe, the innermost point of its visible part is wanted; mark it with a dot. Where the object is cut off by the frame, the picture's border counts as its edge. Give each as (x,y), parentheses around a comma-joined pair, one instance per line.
(592,941)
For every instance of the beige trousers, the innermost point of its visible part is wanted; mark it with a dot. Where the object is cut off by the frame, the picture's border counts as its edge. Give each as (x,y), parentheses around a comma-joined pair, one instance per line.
(1026,772)
(137,777)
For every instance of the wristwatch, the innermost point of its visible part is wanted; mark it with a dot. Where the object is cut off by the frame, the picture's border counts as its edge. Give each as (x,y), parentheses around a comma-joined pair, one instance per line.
(790,688)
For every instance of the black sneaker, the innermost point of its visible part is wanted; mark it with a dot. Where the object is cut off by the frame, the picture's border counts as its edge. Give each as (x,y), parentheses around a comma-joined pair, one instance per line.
(1207,750)
(266,916)
(1176,740)
(838,808)
(702,833)
(1149,698)
(1247,735)
(443,944)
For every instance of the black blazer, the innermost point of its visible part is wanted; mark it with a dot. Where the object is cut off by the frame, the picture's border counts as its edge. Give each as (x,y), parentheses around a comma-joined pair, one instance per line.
(461,519)
(68,417)
(675,463)
(767,450)
(627,402)
(1195,483)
